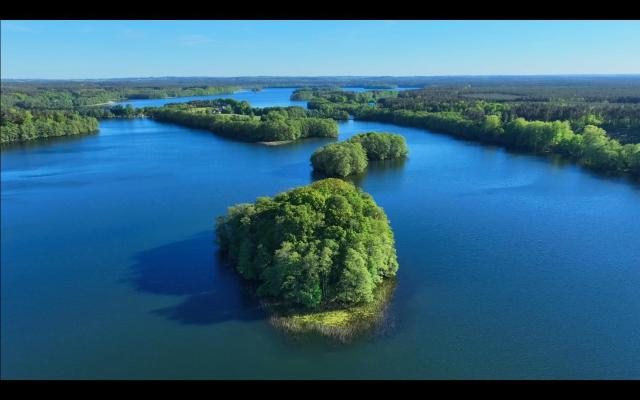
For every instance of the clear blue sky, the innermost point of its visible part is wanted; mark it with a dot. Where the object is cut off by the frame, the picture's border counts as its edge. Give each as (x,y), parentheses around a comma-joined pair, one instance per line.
(112,49)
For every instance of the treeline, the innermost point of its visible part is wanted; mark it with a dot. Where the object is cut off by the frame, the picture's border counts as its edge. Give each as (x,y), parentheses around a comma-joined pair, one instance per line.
(255,125)
(353,155)
(616,107)
(307,93)
(76,95)
(592,147)
(338,104)
(33,110)
(337,95)
(117,111)
(18,125)
(325,245)
(609,86)
(516,114)
(162,93)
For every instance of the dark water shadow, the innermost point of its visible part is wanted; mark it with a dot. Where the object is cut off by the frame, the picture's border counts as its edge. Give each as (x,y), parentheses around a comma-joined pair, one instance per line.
(194,268)
(43,144)
(555,160)
(386,166)
(558,161)
(356,179)
(375,168)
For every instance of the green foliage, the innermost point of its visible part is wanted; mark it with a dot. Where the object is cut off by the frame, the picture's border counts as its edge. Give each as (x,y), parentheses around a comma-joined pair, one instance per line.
(71,95)
(593,148)
(381,145)
(600,152)
(337,95)
(611,103)
(237,120)
(338,323)
(17,125)
(340,159)
(352,156)
(323,245)
(107,112)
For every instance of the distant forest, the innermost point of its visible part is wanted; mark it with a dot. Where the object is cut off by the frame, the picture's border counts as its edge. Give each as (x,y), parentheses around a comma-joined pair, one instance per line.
(594,119)
(602,82)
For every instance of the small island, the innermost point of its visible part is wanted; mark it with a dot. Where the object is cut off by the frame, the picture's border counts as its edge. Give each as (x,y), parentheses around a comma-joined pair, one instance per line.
(352,156)
(322,256)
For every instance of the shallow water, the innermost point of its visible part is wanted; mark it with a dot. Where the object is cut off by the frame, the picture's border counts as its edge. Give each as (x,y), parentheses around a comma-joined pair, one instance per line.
(511,266)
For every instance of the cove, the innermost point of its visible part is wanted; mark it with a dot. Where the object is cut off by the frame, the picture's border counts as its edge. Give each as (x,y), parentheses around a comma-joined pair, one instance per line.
(511,266)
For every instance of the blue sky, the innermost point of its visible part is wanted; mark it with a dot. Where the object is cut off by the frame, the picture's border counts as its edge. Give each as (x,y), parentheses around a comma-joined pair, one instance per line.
(113,49)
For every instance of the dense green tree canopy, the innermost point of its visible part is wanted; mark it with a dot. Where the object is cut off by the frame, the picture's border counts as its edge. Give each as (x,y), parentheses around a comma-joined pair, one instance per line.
(352,156)
(340,159)
(495,115)
(67,96)
(237,120)
(381,145)
(323,245)
(592,147)
(17,125)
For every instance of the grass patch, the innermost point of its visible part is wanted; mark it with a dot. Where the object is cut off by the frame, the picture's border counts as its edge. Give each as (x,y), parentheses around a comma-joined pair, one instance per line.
(341,324)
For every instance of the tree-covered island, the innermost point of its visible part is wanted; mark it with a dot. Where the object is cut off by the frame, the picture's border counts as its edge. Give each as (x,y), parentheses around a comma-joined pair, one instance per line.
(322,256)
(237,120)
(353,155)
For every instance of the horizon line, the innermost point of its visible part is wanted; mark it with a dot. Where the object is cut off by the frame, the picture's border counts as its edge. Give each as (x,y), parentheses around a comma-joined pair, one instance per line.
(327,76)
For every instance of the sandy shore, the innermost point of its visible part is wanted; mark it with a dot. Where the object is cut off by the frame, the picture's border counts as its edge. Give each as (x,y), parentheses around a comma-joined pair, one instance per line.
(276,143)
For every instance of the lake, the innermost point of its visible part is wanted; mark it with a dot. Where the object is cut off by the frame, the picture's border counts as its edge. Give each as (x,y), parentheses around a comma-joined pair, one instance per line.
(512,266)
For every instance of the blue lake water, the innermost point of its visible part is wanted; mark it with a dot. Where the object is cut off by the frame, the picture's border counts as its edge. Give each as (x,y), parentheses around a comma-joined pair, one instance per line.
(268,97)
(511,265)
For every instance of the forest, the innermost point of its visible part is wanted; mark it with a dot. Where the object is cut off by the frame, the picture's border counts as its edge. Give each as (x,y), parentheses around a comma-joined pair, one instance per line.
(323,245)
(17,125)
(58,95)
(590,119)
(596,126)
(596,84)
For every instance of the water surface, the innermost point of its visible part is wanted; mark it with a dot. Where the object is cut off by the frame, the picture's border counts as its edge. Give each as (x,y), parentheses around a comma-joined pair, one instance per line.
(267,97)
(511,266)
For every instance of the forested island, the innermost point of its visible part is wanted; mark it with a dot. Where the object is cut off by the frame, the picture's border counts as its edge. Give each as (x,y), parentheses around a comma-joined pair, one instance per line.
(322,256)
(352,156)
(237,120)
